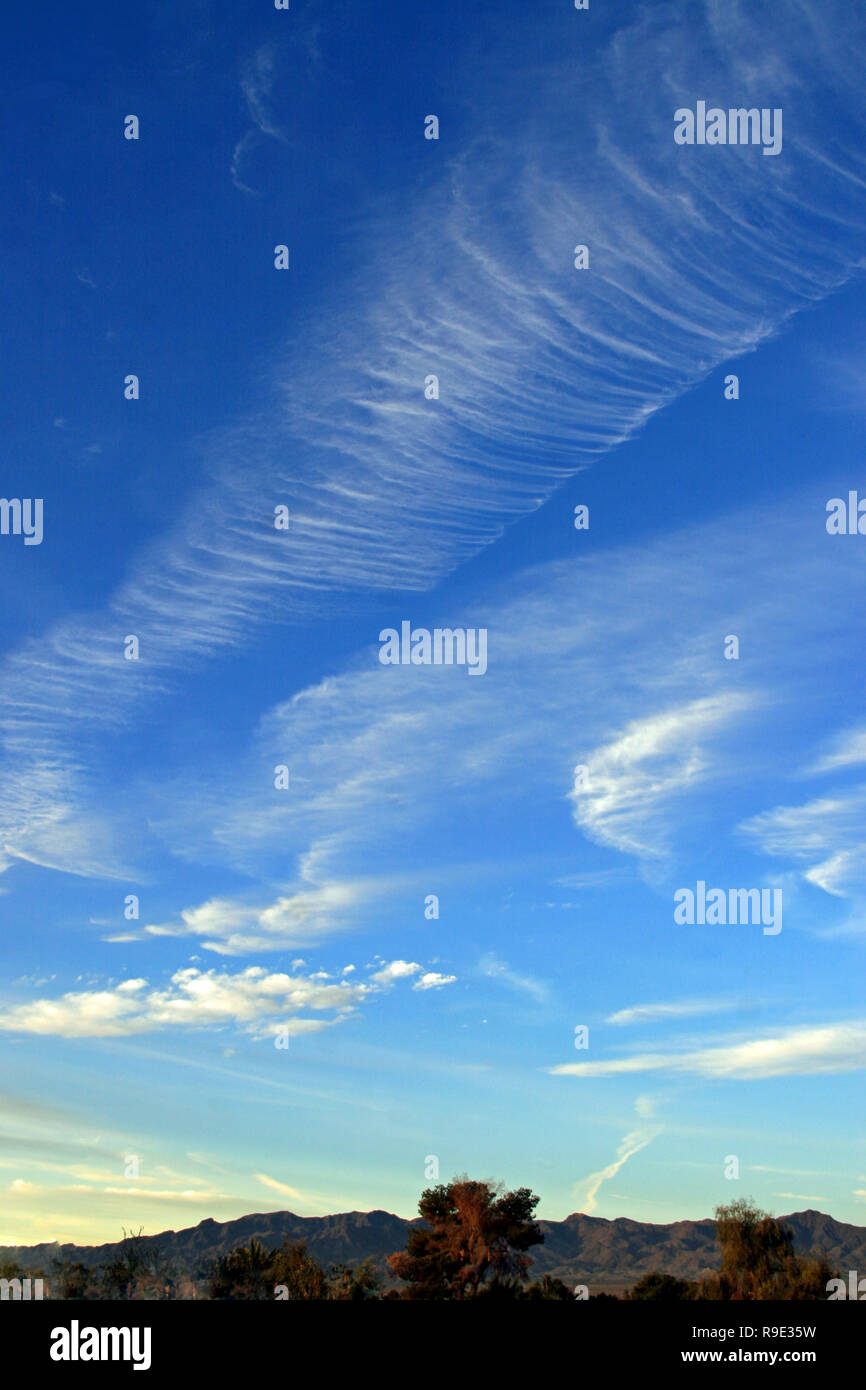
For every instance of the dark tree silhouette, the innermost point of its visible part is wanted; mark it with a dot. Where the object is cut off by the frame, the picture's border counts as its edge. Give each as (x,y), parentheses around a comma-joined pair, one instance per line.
(758,1259)
(72,1279)
(547,1287)
(661,1288)
(290,1273)
(244,1273)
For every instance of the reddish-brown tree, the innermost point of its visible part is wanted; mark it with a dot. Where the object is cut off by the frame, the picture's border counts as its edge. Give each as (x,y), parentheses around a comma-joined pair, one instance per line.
(474,1232)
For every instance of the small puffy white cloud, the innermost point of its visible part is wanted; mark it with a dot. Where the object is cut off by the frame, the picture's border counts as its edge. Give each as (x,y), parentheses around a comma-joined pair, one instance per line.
(253,999)
(645,1107)
(432,980)
(81,1014)
(396,970)
(233,927)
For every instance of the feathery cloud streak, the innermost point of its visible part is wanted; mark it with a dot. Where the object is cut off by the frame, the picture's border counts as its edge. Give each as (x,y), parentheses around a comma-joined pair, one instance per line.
(542,367)
(801,1051)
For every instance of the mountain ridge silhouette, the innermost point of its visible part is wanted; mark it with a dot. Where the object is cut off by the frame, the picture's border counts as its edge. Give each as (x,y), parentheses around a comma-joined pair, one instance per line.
(580,1248)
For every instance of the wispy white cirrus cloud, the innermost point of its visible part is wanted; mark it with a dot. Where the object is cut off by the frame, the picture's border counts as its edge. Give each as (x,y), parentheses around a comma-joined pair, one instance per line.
(683,1008)
(827,835)
(847,749)
(798,1051)
(542,368)
(632,1143)
(495,969)
(660,725)
(653,760)
(258,73)
(276,1186)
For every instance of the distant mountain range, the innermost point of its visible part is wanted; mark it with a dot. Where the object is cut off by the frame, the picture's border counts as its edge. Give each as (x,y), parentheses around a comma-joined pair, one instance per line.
(580,1249)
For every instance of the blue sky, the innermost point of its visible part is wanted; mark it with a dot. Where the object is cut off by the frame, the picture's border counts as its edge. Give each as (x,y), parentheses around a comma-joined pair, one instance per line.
(412,1037)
